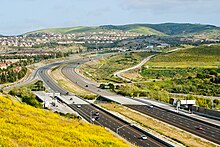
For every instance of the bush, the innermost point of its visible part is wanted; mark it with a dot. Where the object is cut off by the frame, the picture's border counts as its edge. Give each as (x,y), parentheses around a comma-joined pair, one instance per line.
(26,96)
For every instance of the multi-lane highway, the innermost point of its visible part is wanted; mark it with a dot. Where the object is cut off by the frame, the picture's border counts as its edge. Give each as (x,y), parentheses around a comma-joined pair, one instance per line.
(48,81)
(129,132)
(202,129)
(207,131)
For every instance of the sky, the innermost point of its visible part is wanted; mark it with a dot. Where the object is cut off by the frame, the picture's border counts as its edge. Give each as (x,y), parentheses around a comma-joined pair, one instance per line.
(21,16)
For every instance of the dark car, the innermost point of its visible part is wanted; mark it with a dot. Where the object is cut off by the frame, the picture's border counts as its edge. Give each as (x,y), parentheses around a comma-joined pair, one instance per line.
(87,86)
(96,117)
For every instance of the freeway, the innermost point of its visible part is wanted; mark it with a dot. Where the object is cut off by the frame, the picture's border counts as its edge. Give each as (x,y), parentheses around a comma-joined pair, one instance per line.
(71,73)
(207,131)
(194,126)
(129,132)
(48,81)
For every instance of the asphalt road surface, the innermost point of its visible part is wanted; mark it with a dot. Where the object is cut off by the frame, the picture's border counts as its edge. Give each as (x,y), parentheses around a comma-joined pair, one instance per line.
(130,133)
(207,131)
(106,120)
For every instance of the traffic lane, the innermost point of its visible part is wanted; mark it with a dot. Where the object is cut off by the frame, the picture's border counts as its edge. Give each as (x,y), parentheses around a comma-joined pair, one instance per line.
(208,132)
(181,119)
(52,84)
(112,123)
(183,123)
(43,73)
(70,73)
(213,134)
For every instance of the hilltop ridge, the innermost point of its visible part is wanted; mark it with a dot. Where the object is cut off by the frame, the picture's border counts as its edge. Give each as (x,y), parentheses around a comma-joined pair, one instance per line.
(162,29)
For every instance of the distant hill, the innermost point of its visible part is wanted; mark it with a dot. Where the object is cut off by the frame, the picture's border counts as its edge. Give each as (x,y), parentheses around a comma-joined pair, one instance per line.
(165,28)
(152,29)
(212,33)
(181,28)
(205,56)
(82,29)
(79,29)
(23,125)
(136,28)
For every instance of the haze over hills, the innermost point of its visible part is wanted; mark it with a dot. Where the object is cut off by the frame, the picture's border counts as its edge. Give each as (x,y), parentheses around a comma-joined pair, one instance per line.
(153,29)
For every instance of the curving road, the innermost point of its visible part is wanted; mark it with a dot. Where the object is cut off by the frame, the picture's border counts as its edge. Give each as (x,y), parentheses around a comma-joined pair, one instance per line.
(208,131)
(118,73)
(106,119)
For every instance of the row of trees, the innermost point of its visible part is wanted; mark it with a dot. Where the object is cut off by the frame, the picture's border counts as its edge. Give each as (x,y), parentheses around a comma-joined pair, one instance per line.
(10,75)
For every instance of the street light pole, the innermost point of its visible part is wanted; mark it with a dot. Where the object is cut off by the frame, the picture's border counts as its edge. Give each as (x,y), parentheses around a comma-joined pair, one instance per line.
(123,126)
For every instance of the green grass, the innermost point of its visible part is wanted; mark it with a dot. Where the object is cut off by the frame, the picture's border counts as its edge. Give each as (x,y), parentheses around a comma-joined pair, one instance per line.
(79,29)
(104,69)
(202,56)
(182,29)
(194,70)
(23,125)
(213,33)
(146,30)
(167,28)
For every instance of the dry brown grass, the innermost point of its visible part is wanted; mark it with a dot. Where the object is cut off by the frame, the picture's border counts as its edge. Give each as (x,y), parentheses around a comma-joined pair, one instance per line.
(176,134)
(67,84)
(132,75)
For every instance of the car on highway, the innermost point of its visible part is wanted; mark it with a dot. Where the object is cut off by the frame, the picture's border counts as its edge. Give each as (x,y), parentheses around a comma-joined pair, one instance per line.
(78,106)
(96,117)
(199,128)
(143,137)
(97,113)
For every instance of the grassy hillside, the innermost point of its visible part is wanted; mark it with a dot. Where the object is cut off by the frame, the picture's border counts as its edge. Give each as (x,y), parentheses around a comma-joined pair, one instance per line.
(136,28)
(165,28)
(190,71)
(23,125)
(202,56)
(212,33)
(150,29)
(180,28)
(104,69)
(69,30)
(81,29)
